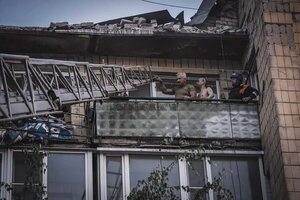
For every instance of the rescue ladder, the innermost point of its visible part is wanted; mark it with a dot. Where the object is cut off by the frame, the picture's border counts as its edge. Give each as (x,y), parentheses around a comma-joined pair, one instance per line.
(31,87)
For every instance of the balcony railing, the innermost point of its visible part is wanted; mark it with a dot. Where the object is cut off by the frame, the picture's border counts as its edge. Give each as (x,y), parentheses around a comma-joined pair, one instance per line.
(179,119)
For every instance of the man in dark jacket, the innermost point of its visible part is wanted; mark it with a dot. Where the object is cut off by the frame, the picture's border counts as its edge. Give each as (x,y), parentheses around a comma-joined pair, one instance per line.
(241,91)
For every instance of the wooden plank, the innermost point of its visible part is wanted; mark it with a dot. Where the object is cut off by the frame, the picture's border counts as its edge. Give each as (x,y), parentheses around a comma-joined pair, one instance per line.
(89,59)
(177,63)
(214,64)
(162,62)
(140,61)
(111,60)
(199,63)
(132,60)
(187,70)
(119,61)
(103,60)
(170,63)
(154,62)
(222,64)
(184,63)
(147,61)
(126,61)
(96,59)
(236,65)
(192,63)
(206,64)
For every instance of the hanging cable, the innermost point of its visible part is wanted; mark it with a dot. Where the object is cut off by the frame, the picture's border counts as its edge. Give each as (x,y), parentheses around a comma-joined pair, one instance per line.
(238,175)
(170,5)
(231,125)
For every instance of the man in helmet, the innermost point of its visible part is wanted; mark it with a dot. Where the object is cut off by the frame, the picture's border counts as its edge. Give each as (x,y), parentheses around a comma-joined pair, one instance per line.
(241,91)
(181,90)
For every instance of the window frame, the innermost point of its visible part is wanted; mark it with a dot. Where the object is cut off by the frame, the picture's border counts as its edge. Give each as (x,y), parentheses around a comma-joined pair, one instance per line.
(87,163)
(3,174)
(102,175)
(194,77)
(182,166)
(11,167)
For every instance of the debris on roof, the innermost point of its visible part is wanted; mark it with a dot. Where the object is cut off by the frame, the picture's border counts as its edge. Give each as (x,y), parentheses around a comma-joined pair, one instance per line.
(216,12)
(202,12)
(211,18)
(143,26)
(162,16)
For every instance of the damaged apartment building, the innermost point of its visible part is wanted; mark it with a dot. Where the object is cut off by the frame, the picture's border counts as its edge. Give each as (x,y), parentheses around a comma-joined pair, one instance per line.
(88,89)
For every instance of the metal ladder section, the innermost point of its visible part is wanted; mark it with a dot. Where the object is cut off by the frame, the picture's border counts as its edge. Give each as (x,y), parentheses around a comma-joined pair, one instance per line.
(31,87)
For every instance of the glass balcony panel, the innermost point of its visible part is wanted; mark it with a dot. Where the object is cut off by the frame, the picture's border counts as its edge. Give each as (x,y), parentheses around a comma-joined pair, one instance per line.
(177,119)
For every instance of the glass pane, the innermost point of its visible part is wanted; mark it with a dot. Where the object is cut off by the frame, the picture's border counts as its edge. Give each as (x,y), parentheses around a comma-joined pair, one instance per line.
(196,173)
(142,166)
(142,91)
(0,170)
(0,165)
(66,176)
(114,177)
(241,176)
(19,193)
(20,169)
(193,193)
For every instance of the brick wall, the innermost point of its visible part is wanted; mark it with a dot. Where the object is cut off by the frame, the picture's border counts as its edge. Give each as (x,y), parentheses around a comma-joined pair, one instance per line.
(274,33)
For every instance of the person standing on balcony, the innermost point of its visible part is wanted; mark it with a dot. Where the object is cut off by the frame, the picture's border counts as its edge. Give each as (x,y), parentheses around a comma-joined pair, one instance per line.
(181,90)
(205,92)
(241,91)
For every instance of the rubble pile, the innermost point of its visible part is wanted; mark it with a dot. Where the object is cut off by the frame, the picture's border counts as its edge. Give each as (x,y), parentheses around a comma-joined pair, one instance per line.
(138,26)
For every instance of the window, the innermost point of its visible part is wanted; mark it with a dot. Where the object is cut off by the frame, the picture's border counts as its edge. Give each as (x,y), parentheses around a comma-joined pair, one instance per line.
(254,82)
(20,173)
(122,173)
(142,91)
(196,177)
(114,177)
(1,176)
(66,176)
(141,167)
(170,81)
(241,176)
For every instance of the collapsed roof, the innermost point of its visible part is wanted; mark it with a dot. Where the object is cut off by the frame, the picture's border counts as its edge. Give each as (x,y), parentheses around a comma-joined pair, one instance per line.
(216,13)
(155,34)
(161,17)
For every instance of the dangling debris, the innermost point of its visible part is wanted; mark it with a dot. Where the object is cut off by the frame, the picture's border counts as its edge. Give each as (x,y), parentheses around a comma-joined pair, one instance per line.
(37,129)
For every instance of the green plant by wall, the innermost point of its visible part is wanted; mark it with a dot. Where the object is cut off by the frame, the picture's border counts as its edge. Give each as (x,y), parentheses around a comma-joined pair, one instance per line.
(35,168)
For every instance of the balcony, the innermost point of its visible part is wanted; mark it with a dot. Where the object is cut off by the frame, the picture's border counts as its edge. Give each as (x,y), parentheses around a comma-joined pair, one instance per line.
(178,119)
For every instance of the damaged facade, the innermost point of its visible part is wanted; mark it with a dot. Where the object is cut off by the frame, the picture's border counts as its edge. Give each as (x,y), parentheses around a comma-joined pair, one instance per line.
(256,143)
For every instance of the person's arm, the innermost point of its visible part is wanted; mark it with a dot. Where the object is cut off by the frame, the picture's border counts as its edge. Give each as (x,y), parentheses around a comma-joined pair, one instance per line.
(162,87)
(192,93)
(210,93)
(252,93)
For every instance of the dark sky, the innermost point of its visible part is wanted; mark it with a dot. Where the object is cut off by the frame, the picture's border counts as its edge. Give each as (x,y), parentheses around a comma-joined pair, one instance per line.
(42,12)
